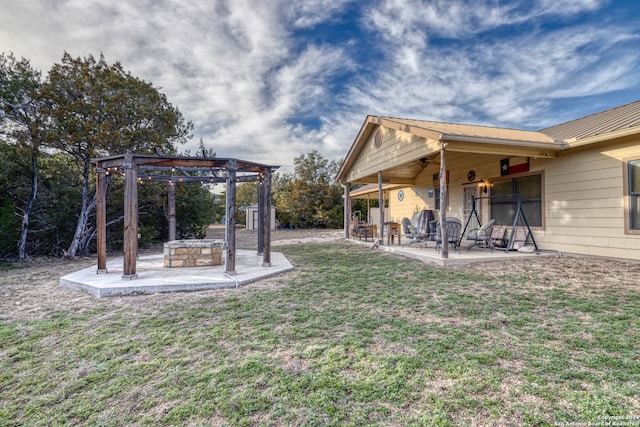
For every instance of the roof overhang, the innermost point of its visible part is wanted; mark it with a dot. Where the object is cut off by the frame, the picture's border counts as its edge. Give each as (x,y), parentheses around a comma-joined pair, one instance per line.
(477,140)
(623,133)
(507,147)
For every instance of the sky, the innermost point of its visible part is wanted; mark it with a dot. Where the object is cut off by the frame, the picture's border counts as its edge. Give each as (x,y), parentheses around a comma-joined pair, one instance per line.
(269,80)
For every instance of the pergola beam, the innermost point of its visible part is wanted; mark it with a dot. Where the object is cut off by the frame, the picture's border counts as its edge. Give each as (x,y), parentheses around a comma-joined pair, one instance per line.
(185,162)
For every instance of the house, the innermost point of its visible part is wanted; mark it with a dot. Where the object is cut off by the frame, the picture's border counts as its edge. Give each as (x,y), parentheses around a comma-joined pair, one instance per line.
(578,182)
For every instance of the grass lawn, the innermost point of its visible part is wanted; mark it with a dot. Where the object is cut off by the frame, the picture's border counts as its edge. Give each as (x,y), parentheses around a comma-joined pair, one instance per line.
(351,337)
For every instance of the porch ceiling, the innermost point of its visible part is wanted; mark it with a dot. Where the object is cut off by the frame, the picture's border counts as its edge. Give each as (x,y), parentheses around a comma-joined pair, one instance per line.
(405,173)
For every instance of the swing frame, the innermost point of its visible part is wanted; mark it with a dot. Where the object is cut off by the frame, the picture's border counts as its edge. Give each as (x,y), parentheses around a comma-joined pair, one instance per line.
(518,217)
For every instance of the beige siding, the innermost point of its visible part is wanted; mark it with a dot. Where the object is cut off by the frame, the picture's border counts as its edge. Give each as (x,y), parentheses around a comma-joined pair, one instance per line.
(582,194)
(584,205)
(415,197)
(397,148)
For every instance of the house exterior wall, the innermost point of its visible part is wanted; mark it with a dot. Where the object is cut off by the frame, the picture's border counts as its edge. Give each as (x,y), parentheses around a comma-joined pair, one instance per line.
(583,197)
(584,202)
(416,198)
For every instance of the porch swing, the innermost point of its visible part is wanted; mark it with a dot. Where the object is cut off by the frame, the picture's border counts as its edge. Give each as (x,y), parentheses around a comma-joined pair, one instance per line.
(519,223)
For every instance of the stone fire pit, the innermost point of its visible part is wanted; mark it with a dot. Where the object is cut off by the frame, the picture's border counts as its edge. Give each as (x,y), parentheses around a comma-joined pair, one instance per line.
(193,253)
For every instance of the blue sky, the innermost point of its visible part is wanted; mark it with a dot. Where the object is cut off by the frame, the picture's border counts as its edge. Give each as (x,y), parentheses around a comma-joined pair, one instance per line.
(268,80)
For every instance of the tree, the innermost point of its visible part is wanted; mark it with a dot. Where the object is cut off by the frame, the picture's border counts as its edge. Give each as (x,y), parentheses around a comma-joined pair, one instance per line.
(195,211)
(246,195)
(96,110)
(13,189)
(21,122)
(309,197)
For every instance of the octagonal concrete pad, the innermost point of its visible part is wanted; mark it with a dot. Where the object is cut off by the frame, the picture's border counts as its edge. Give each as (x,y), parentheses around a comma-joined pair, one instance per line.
(153,277)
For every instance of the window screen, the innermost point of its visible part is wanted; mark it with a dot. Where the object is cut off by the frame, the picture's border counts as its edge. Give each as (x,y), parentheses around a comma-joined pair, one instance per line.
(504,202)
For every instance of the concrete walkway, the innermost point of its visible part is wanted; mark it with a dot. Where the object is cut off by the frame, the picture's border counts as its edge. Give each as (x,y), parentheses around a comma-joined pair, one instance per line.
(153,277)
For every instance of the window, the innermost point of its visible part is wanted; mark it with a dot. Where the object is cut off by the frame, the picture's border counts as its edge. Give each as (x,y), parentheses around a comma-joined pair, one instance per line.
(437,197)
(504,201)
(634,194)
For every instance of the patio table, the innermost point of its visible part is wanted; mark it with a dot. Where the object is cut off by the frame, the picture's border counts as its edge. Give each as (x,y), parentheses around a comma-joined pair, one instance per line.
(393,229)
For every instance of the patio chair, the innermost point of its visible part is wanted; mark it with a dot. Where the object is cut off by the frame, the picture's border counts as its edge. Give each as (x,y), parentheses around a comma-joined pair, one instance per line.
(453,226)
(481,236)
(497,236)
(415,235)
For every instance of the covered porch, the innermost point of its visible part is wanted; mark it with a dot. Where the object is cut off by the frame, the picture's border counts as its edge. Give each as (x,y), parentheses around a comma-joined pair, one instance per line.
(445,168)
(429,255)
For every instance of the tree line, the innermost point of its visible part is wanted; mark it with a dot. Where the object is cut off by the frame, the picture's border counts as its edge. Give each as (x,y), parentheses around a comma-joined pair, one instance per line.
(84,108)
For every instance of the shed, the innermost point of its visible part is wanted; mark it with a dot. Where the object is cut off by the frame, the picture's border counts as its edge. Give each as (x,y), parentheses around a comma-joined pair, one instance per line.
(253,218)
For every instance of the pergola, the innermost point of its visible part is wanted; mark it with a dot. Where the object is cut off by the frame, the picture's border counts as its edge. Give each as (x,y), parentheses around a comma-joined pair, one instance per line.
(175,169)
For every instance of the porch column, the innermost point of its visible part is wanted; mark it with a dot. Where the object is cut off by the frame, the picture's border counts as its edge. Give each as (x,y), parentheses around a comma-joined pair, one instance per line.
(230,229)
(171,201)
(347,209)
(381,204)
(443,201)
(266,255)
(101,219)
(130,217)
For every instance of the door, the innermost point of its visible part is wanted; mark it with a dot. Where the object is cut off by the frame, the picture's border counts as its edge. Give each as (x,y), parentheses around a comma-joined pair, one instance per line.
(254,219)
(469,192)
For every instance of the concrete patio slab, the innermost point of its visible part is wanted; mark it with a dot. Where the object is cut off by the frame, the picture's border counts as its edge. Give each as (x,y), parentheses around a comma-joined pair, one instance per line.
(475,255)
(153,277)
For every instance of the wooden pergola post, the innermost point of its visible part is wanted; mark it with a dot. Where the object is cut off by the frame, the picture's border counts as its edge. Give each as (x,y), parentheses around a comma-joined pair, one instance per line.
(101,219)
(347,209)
(171,201)
(230,238)
(443,201)
(261,198)
(266,222)
(130,217)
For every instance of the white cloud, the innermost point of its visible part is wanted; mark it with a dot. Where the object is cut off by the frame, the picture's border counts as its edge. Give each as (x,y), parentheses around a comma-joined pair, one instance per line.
(412,22)
(496,79)
(236,68)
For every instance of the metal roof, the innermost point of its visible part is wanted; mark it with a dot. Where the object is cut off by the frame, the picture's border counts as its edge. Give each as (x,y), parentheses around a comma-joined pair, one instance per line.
(614,123)
(608,121)
(449,130)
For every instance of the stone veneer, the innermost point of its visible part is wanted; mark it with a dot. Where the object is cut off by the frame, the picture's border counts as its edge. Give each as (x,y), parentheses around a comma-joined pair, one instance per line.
(192,253)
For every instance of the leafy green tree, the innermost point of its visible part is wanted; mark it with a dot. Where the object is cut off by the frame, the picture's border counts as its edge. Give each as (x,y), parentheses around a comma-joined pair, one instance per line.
(59,201)
(195,211)
(22,123)
(96,110)
(13,189)
(309,197)
(246,195)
